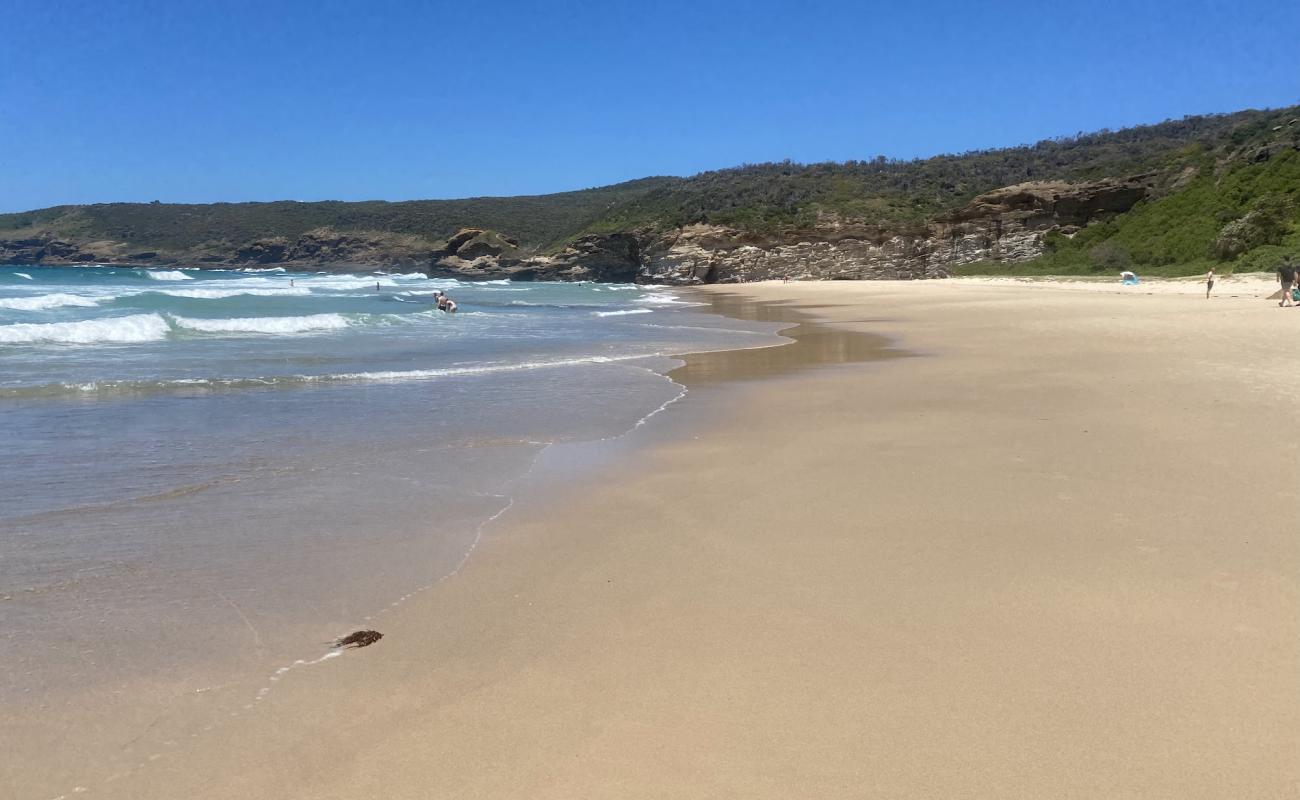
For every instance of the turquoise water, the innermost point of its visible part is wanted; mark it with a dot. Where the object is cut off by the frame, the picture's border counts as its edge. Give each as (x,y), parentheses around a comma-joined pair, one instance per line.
(191,457)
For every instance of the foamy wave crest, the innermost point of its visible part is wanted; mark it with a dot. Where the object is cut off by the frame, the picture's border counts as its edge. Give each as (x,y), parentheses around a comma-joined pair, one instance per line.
(659,299)
(23,275)
(44,301)
(624,312)
(308,324)
(119,330)
(483,369)
(203,385)
(218,294)
(343,283)
(166,275)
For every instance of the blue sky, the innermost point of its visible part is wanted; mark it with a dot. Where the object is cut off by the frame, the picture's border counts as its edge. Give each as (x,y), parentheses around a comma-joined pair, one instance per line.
(224,101)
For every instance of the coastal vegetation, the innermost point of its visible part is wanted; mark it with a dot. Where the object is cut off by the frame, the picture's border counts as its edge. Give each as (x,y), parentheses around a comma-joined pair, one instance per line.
(1224,194)
(538,220)
(1230,216)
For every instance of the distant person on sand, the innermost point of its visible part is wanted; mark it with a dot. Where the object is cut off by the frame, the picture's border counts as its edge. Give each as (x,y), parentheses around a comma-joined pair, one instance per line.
(1286,277)
(1209,283)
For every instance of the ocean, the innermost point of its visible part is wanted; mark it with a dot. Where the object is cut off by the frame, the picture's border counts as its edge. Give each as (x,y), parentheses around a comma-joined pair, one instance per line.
(207,475)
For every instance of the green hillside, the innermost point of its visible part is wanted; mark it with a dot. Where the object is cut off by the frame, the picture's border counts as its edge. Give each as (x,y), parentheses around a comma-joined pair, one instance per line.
(1244,217)
(1226,194)
(537,220)
(774,196)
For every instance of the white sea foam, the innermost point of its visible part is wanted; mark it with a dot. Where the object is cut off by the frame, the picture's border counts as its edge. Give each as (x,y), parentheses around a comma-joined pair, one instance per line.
(392,376)
(166,275)
(132,329)
(273,325)
(218,294)
(624,312)
(481,369)
(659,299)
(24,275)
(41,302)
(343,283)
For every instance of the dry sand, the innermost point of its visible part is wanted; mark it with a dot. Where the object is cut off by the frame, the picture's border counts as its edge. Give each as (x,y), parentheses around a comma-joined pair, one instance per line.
(1049,549)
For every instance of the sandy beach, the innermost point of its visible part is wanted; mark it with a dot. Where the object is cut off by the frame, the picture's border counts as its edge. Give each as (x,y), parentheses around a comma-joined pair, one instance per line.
(964,539)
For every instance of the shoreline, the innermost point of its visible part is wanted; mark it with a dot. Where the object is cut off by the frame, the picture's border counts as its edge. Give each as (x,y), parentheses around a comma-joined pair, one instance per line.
(688,630)
(196,711)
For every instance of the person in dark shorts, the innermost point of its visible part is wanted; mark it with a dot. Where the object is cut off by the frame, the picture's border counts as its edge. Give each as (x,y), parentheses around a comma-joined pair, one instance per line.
(1286,277)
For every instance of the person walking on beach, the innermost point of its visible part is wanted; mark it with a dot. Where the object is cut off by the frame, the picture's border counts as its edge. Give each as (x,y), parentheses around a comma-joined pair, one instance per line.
(1286,277)
(1209,283)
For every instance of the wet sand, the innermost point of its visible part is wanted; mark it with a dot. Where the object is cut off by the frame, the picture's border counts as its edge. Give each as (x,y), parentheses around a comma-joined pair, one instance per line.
(962,539)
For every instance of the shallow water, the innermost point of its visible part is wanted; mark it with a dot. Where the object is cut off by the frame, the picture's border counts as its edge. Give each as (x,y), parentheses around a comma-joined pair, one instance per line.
(208,475)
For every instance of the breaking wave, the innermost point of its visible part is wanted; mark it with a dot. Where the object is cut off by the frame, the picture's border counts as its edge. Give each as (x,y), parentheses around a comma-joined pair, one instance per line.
(166,275)
(218,294)
(45,301)
(308,324)
(624,312)
(118,330)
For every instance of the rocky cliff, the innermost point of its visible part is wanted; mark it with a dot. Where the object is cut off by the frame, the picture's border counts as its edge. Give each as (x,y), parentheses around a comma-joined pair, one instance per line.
(1006,225)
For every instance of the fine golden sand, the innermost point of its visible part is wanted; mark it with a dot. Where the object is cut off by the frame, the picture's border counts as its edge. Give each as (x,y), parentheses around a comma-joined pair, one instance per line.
(1037,543)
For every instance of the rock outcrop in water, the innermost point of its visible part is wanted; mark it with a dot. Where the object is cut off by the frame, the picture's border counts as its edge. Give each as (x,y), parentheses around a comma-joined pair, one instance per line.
(1006,225)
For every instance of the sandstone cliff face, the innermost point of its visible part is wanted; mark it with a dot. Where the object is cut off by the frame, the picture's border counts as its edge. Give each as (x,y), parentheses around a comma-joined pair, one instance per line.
(1006,225)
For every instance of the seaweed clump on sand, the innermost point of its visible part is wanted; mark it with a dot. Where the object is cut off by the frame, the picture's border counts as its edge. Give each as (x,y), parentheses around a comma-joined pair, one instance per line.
(359,639)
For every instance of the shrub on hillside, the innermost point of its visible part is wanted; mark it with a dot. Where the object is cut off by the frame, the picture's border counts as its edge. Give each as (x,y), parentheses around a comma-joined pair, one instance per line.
(1240,236)
(1110,256)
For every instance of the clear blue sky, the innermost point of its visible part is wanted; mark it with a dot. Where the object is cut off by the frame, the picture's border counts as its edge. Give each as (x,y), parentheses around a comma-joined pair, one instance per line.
(202,101)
